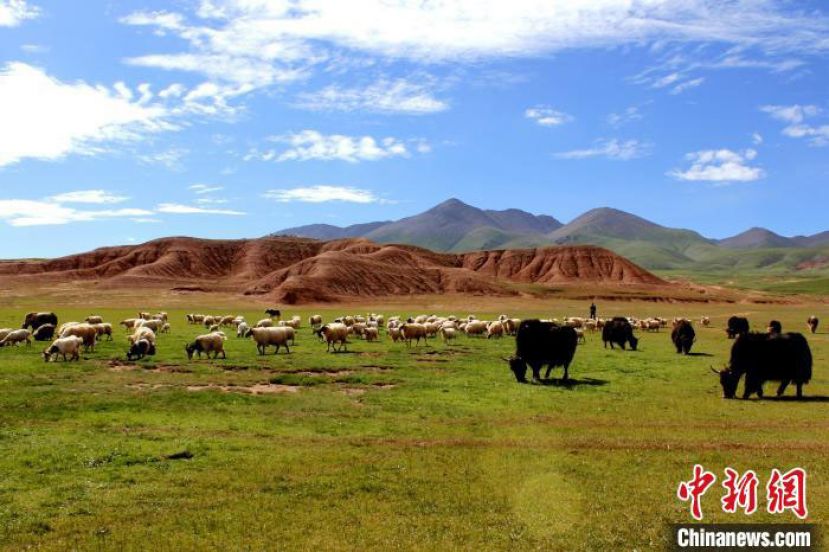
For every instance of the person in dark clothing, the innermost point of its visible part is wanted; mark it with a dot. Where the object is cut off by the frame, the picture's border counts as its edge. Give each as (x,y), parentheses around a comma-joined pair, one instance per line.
(593,311)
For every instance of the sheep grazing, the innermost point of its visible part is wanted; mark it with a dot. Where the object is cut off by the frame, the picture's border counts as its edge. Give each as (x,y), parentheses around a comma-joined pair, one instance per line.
(4,332)
(277,336)
(209,321)
(208,343)
(358,329)
(273,313)
(242,330)
(44,332)
(160,316)
(495,329)
(264,323)
(88,333)
(17,337)
(142,333)
(315,320)
(129,323)
(144,315)
(413,331)
(705,321)
(165,328)
(226,320)
(371,334)
(448,334)
(394,334)
(214,328)
(476,327)
(334,334)
(103,328)
(70,345)
(140,349)
(94,320)
(66,325)
(194,318)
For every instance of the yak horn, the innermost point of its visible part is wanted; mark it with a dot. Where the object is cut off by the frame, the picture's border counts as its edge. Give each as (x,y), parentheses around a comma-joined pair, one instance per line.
(715,371)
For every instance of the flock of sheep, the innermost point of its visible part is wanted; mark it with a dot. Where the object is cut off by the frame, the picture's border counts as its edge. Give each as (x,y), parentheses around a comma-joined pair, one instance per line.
(71,338)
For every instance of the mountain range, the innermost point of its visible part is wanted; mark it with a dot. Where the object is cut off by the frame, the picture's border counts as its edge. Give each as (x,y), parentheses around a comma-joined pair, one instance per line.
(454,226)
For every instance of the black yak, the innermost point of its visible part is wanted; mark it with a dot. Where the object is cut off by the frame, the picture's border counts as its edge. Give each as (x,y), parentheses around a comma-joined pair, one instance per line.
(737,325)
(785,358)
(273,313)
(812,322)
(618,331)
(540,343)
(44,332)
(38,319)
(683,336)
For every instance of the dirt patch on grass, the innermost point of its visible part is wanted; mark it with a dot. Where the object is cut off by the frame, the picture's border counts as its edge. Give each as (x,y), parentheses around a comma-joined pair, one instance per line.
(431,360)
(257,389)
(330,373)
(119,366)
(377,367)
(353,391)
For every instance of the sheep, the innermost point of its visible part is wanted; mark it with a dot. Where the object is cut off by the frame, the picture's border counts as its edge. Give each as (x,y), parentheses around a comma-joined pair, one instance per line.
(213,329)
(380,319)
(348,320)
(591,324)
(66,325)
(86,332)
(144,315)
(140,349)
(226,320)
(103,328)
(315,320)
(432,328)
(394,334)
(16,337)
(94,320)
(128,323)
(448,334)
(70,345)
(495,329)
(358,328)
(264,323)
(242,330)
(238,320)
(511,325)
(142,333)
(476,327)
(421,319)
(44,333)
(195,318)
(411,331)
(154,325)
(705,321)
(4,332)
(208,343)
(271,336)
(371,334)
(292,323)
(160,316)
(210,321)
(165,328)
(333,334)
(580,335)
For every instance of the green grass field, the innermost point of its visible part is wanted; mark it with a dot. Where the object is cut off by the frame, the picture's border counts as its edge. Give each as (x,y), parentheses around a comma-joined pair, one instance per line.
(386,447)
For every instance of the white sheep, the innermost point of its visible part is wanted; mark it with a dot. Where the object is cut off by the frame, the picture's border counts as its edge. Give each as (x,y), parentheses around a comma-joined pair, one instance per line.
(242,329)
(70,345)
(208,343)
(410,331)
(495,329)
(271,337)
(264,323)
(448,334)
(103,328)
(16,337)
(142,333)
(371,334)
(88,333)
(333,334)
(94,319)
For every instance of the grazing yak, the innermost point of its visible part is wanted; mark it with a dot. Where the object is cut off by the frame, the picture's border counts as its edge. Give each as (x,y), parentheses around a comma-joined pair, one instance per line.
(44,333)
(38,319)
(737,325)
(273,313)
(812,322)
(618,331)
(540,343)
(683,336)
(785,358)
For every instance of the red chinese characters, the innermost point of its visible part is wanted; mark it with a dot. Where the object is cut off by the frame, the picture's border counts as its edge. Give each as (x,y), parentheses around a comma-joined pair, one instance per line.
(787,491)
(694,489)
(741,492)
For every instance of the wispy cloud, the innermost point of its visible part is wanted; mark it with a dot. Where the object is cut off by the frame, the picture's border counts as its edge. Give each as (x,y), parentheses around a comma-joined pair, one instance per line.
(610,149)
(399,96)
(14,12)
(796,116)
(687,85)
(182,209)
(721,166)
(204,188)
(169,158)
(313,145)
(629,115)
(23,212)
(323,194)
(547,116)
(88,196)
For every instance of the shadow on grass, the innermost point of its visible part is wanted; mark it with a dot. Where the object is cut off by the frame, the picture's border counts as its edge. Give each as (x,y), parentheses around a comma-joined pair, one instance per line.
(700,354)
(792,398)
(570,383)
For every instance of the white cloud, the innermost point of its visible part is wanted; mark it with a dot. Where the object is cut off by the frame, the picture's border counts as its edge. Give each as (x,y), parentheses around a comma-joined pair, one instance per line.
(547,116)
(88,196)
(313,145)
(180,209)
(722,166)
(22,212)
(687,85)
(756,138)
(170,158)
(44,118)
(398,96)
(204,188)
(610,149)
(796,117)
(322,194)
(629,115)
(14,12)
(35,48)
(210,201)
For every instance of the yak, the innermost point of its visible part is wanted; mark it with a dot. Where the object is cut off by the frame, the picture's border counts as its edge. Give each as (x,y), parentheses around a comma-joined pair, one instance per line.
(618,331)
(785,358)
(38,319)
(683,336)
(273,313)
(44,333)
(540,343)
(737,325)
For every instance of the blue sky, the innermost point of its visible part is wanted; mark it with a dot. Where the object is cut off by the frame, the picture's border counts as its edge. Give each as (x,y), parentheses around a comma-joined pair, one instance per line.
(123,121)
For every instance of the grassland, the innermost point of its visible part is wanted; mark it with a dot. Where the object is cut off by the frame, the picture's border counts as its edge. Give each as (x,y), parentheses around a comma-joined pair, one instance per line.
(383,447)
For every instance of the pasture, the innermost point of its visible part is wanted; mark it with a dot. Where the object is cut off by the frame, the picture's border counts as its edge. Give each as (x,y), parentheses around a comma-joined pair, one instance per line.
(385,447)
